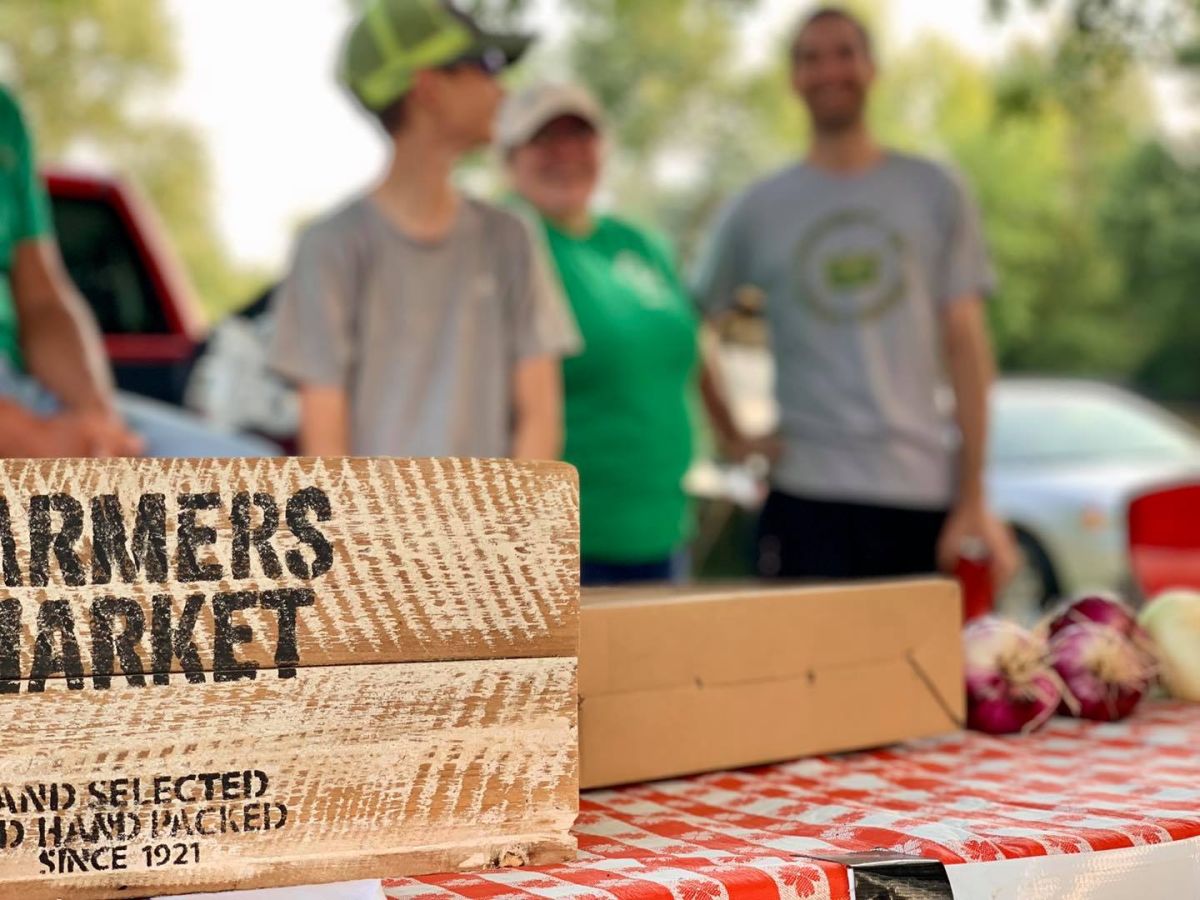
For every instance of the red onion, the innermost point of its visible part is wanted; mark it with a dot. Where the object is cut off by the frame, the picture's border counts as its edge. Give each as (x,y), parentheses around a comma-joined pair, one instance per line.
(1103,609)
(1011,686)
(1104,671)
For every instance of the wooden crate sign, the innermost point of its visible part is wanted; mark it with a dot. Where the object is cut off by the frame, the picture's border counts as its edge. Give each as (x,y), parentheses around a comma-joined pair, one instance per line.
(220,674)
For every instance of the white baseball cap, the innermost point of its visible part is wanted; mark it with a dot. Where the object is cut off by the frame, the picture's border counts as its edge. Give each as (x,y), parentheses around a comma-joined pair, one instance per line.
(529,110)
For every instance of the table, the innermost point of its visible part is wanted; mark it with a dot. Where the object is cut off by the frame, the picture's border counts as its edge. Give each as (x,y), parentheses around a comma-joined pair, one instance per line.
(1074,788)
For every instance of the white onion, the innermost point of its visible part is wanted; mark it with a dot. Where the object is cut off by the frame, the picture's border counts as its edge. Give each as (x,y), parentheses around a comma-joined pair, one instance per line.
(1173,621)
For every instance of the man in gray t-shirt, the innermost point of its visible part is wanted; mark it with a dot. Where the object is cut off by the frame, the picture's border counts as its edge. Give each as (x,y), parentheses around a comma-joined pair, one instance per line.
(417,321)
(873,268)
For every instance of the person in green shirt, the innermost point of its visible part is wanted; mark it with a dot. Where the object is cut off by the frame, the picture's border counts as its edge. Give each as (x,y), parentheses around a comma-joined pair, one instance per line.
(45,327)
(627,394)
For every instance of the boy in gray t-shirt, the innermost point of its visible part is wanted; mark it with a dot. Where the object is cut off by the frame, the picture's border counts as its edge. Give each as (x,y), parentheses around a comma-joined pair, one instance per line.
(417,321)
(874,269)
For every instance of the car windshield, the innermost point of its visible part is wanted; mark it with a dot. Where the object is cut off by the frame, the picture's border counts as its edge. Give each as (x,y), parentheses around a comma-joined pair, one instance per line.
(1044,426)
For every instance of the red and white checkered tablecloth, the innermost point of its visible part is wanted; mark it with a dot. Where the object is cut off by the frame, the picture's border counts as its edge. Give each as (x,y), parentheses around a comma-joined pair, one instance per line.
(1073,788)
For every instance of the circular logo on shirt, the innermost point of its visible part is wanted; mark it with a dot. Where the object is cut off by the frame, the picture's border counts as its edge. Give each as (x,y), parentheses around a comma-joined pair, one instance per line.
(647,282)
(850,266)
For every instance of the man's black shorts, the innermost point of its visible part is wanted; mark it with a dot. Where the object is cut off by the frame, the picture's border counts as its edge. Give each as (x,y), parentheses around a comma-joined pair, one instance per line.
(804,538)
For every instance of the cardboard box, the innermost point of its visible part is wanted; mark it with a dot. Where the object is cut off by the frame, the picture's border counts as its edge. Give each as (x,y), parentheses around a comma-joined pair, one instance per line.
(674,682)
(220,674)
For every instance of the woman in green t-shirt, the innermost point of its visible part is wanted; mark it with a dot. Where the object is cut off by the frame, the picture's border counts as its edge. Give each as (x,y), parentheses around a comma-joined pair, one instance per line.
(627,394)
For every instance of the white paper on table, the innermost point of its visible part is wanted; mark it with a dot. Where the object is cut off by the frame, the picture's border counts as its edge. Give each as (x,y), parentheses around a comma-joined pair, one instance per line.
(1151,871)
(354,890)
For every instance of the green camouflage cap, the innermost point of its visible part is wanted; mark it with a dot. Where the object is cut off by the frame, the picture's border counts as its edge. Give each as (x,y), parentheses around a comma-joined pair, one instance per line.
(394,39)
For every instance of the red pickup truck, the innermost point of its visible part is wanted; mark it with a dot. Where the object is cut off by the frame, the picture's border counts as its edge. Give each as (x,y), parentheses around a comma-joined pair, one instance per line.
(116,251)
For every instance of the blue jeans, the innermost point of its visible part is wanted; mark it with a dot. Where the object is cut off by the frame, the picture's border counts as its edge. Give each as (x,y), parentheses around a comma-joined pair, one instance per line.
(674,569)
(167,431)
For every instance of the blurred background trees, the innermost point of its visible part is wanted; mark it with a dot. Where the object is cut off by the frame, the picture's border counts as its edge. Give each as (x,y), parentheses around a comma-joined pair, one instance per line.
(1092,213)
(82,70)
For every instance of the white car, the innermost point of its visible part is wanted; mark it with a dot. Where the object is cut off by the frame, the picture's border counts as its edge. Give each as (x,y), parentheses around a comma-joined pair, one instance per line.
(1066,458)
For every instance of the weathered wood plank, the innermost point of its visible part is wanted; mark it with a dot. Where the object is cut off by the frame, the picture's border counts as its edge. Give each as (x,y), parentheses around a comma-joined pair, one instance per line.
(239,673)
(341,772)
(406,560)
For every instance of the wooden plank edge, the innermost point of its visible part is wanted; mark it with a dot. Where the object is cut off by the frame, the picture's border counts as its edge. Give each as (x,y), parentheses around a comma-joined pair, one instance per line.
(510,852)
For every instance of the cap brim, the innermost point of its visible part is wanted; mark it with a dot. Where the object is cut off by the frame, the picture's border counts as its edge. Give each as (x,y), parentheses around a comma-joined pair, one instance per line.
(551,113)
(519,127)
(513,46)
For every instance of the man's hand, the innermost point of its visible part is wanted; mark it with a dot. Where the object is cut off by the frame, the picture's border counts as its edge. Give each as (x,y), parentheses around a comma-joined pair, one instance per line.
(972,371)
(732,443)
(71,436)
(974,520)
(57,437)
(739,448)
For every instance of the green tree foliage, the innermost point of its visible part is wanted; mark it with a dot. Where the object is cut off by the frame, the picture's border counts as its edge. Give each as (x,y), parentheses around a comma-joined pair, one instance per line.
(1152,220)
(1144,203)
(81,68)
(686,125)
(1039,162)
(77,63)
(1115,30)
